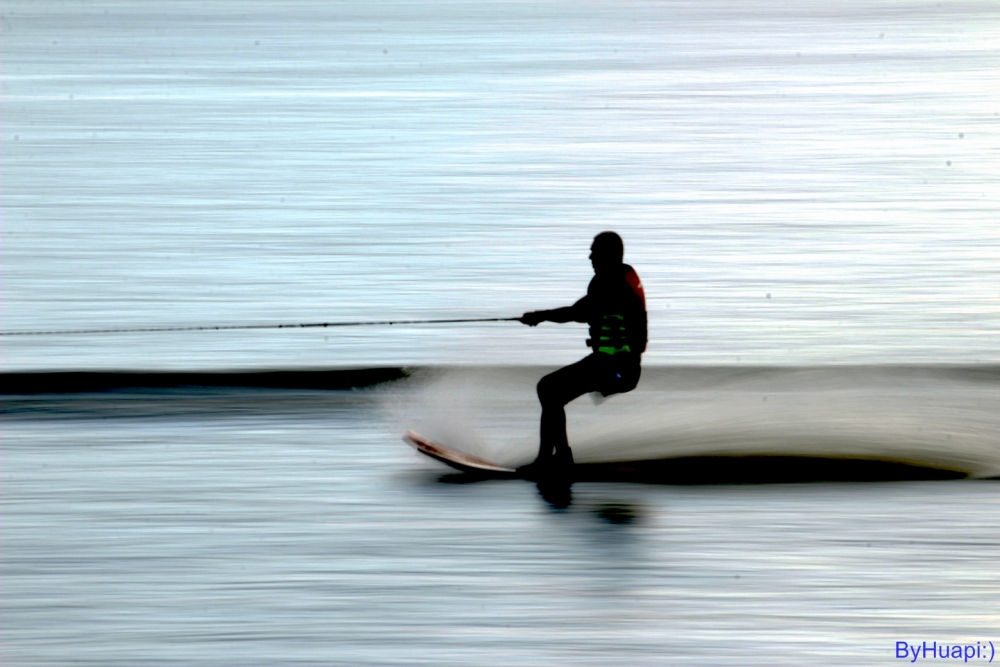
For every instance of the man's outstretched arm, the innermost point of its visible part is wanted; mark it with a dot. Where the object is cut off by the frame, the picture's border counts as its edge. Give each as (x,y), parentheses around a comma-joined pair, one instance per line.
(575,313)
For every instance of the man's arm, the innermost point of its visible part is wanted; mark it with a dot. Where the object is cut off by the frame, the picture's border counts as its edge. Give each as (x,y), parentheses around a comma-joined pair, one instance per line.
(575,313)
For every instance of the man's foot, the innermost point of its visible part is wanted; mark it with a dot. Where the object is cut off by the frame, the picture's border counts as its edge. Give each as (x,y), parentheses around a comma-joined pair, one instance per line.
(563,458)
(537,469)
(559,464)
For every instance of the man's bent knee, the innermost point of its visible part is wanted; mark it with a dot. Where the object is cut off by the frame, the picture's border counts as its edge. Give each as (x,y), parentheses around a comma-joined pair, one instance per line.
(552,393)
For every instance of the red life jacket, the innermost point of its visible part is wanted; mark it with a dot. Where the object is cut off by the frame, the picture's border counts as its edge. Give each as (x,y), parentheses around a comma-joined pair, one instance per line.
(617,314)
(632,278)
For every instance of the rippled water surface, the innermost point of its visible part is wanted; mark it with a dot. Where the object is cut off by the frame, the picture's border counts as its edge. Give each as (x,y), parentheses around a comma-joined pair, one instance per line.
(795,182)
(263,527)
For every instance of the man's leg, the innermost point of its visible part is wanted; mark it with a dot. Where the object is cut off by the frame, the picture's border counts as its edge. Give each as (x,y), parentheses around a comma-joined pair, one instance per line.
(555,390)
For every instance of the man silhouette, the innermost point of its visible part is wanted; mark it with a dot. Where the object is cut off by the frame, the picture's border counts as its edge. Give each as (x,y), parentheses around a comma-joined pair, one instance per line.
(615,309)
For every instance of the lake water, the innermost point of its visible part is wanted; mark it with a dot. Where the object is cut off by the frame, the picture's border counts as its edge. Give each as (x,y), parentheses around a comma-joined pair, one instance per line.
(281,527)
(191,163)
(807,190)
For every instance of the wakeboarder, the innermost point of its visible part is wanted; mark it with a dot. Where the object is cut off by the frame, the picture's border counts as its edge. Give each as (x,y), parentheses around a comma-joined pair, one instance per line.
(615,309)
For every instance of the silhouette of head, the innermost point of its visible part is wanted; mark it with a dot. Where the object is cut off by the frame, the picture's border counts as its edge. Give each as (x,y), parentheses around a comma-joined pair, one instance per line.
(606,252)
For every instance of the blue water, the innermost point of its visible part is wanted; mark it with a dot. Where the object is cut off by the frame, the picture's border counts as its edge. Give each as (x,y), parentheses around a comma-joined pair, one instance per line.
(794,183)
(807,190)
(274,527)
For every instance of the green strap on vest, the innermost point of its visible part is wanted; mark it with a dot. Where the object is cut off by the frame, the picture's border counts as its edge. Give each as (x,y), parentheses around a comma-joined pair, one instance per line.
(611,339)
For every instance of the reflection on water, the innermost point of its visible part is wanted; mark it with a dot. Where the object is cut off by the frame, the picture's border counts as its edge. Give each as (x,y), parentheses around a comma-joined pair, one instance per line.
(617,513)
(557,493)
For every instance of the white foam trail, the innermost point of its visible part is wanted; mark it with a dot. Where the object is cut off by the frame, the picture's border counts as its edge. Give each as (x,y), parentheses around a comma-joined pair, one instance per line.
(934,415)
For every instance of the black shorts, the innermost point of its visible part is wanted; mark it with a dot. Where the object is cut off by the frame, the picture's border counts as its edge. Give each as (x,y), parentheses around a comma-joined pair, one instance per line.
(607,374)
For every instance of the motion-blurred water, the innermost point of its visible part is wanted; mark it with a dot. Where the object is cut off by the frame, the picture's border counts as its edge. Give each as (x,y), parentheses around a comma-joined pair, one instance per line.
(807,190)
(264,527)
(795,183)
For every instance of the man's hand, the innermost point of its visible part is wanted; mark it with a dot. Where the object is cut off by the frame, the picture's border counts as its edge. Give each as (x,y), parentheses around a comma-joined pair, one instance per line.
(533,318)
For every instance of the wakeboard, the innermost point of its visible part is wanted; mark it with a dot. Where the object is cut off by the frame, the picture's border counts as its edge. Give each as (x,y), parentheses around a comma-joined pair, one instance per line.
(694,470)
(458,460)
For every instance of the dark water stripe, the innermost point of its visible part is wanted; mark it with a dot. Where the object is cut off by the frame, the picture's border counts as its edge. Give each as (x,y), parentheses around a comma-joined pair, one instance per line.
(753,469)
(73,382)
(69,382)
(766,469)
